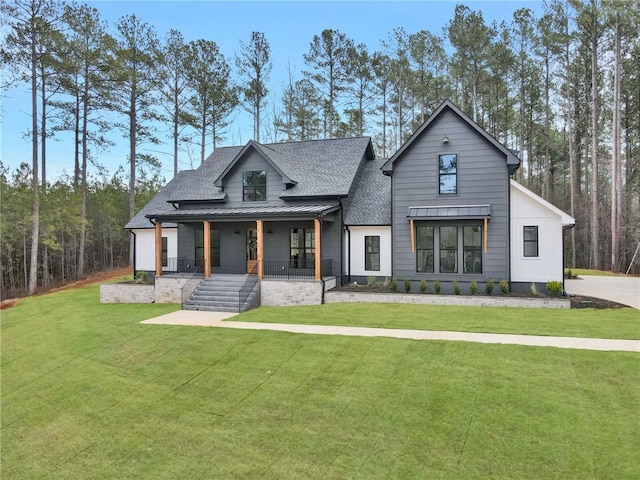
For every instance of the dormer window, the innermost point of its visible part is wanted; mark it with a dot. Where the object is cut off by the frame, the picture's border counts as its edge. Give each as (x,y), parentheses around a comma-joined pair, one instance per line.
(448,169)
(254,186)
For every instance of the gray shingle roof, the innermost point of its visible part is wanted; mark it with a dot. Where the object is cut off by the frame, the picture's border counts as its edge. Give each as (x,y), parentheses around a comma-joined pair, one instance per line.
(321,168)
(159,202)
(371,203)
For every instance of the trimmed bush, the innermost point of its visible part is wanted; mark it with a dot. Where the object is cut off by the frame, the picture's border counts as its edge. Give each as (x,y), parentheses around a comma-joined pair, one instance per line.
(371,281)
(407,285)
(554,287)
(488,288)
(473,287)
(423,286)
(393,286)
(456,287)
(436,286)
(504,286)
(533,289)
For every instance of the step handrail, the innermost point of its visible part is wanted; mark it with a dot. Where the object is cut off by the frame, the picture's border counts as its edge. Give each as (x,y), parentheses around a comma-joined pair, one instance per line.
(248,286)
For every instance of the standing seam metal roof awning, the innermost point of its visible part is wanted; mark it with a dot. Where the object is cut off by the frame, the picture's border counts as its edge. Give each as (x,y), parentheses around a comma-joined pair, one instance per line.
(278,211)
(449,212)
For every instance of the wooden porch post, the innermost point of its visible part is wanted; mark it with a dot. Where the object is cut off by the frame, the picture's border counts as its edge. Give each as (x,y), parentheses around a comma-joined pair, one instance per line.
(158,249)
(318,256)
(413,236)
(207,249)
(260,252)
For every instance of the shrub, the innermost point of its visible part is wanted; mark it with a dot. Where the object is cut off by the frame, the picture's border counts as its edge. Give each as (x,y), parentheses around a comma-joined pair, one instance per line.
(436,286)
(533,288)
(456,287)
(141,277)
(504,286)
(423,286)
(371,281)
(393,286)
(407,285)
(554,287)
(473,287)
(387,281)
(488,288)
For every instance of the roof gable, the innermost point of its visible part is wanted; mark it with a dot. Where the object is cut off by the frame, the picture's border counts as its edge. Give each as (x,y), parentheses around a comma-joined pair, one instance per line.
(271,156)
(513,162)
(566,219)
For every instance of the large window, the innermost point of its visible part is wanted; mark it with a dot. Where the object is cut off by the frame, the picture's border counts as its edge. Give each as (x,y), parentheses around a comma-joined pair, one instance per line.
(372,253)
(214,242)
(165,259)
(302,247)
(424,249)
(448,173)
(443,248)
(472,249)
(448,249)
(254,186)
(530,241)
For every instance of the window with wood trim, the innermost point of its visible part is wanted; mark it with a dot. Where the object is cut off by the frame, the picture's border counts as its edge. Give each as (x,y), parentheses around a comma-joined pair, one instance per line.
(372,253)
(254,186)
(530,237)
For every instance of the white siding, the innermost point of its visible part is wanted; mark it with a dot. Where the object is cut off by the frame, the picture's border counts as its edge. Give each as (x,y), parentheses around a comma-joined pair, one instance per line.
(526,211)
(356,255)
(146,247)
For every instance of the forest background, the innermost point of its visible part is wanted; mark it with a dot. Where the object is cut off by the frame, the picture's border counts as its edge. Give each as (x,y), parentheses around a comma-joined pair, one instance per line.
(561,85)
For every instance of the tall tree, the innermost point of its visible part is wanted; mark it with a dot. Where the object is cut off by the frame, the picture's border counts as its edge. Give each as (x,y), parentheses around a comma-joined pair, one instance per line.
(382,83)
(360,88)
(174,88)
(31,24)
(329,58)
(254,67)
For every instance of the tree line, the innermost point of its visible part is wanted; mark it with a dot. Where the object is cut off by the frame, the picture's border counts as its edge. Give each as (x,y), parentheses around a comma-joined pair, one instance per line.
(560,87)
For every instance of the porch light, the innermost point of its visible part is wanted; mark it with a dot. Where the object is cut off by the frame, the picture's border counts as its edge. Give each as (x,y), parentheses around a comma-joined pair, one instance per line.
(445,139)
(269,232)
(237,232)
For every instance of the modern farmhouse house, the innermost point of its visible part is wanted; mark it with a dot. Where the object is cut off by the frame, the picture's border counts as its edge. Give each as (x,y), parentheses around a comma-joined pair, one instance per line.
(293,219)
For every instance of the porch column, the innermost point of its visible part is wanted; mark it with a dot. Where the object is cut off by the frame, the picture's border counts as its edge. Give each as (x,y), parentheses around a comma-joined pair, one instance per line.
(207,249)
(318,256)
(260,252)
(158,249)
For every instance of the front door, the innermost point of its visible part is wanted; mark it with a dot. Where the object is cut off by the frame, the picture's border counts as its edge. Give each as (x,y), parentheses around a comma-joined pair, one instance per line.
(252,250)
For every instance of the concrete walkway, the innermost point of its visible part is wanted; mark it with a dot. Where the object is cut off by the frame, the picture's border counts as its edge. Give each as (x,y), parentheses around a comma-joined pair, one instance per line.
(624,290)
(214,319)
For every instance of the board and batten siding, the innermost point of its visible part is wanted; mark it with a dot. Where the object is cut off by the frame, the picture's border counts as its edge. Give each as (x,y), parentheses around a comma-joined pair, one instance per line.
(482,179)
(146,247)
(547,265)
(355,262)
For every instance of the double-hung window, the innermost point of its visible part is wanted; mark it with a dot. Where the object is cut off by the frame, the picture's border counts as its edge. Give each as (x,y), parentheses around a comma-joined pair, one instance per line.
(448,174)
(372,252)
(254,186)
(530,241)
(472,249)
(448,249)
(443,248)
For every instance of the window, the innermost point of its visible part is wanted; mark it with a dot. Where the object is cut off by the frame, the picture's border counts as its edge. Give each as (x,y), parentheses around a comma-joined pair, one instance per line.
(372,253)
(448,169)
(302,247)
(531,241)
(254,186)
(424,249)
(472,249)
(448,249)
(165,260)
(214,251)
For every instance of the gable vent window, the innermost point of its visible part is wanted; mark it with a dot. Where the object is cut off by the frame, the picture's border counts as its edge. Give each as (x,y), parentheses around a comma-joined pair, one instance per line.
(448,170)
(254,186)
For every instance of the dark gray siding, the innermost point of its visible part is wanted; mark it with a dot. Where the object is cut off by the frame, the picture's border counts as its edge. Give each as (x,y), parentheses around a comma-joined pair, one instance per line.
(233,182)
(332,242)
(482,179)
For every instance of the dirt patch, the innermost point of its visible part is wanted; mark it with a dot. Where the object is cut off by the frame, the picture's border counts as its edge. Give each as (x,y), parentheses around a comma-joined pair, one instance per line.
(99,277)
(577,301)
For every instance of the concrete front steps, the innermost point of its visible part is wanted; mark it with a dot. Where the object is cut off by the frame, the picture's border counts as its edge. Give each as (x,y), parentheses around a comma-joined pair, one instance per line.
(220,293)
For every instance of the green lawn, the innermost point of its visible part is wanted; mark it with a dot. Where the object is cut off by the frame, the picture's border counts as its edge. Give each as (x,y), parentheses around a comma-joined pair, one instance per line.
(89,392)
(620,323)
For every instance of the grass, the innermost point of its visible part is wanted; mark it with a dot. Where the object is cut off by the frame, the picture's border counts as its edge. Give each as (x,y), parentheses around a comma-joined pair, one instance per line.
(586,271)
(621,323)
(89,392)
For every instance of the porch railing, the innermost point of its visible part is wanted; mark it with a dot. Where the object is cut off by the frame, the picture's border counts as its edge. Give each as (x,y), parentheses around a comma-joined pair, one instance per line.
(247,287)
(183,265)
(302,268)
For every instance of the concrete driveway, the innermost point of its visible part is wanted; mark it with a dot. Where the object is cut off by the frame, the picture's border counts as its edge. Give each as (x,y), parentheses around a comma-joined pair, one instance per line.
(625,290)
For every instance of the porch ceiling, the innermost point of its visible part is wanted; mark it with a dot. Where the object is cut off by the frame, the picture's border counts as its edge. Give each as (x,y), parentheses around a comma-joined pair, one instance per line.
(283,212)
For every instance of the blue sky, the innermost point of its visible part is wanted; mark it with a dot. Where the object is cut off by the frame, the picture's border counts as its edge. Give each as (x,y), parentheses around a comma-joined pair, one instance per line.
(289,27)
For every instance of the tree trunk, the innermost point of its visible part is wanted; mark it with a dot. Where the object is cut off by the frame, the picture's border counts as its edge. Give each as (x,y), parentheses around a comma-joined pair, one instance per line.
(132,164)
(595,218)
(35,211)
(616,170)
